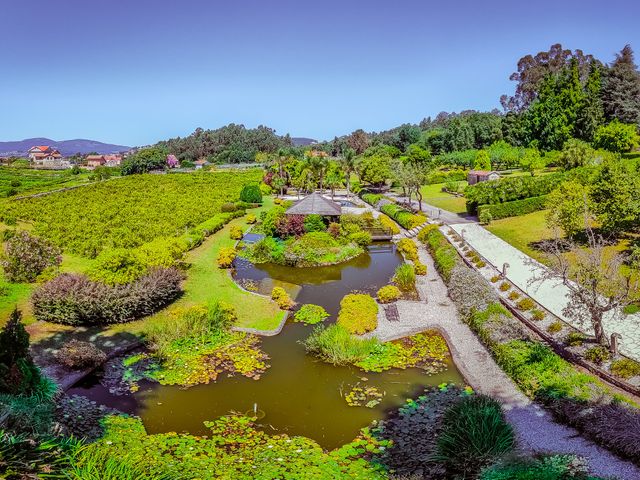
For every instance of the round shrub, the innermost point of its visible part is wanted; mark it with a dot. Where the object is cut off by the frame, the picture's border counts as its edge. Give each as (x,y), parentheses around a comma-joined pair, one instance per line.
(281,297)
(251,193)
(505,286)
(405,277)
(265,189)
(408,249)
(235,233)
(251,219)
(495,278)
(26,256)
(226,256)
(361,239)
(525,304)
(228,207)
(598,354)
(513,296)
(314,223)
(575,339)
(538,314)
(625,368)
(79,355)
(310,314)
(358,313)
(420,268)
(388,294)
(118,266)
(555,327)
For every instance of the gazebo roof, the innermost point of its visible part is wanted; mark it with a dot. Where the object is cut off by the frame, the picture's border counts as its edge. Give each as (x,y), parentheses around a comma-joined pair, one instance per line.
(315,204)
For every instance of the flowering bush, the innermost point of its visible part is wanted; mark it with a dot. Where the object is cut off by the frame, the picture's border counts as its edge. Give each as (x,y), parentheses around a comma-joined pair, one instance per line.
(26,256)
(388,294)
(281,297)
(226,256)
(73,299)
(408,248)
(358,313)
(251,219)
(235,233)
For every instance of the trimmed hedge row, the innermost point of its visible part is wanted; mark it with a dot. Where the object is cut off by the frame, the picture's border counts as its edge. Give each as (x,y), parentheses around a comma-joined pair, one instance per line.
(196,235)
(73,299)
(405,218)
(577,399)
(487,213)
(445,256)
(371,198)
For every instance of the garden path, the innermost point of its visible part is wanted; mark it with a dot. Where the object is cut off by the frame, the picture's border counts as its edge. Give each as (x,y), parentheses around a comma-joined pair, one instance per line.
(551,294)
(535,429)
(436,213)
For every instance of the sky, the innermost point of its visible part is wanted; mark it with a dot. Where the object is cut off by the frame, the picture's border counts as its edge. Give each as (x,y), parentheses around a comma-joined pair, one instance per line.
(133,72)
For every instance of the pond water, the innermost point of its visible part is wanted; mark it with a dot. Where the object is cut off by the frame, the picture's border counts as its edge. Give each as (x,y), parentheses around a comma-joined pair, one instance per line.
(298,394)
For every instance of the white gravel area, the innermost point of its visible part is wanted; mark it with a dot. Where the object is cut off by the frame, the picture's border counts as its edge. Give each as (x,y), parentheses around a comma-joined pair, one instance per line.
(535,429)
(550,294)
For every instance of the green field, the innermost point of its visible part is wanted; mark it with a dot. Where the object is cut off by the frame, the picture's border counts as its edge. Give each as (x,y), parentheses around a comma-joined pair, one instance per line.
(22,181)
(433,195)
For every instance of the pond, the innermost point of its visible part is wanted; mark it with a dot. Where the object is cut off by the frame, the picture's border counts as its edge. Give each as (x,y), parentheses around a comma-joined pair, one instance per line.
(299,395)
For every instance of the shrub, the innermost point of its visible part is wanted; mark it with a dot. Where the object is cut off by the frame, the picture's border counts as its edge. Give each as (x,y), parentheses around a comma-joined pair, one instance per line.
(251,219)
(405,277)
(270,220)
(73,299)
(387,223)
(444,255)
(26,256)
(251,193)
(290,226)
(404,217)
(265,189)
(480,264)
(552,467)
(505,286)
(358,313)
(597,354)
(310,314)
(575,339)
(388,294)
(511,209)
(371,198)
(18,374)
(361,239)
(235,232)
(281,297)
(226,256)
(318,248)
(420,268)
(625,368)
(513,296)
(469,290)
(525,304)
(314,223)
(118,266)
(228,207)
(334,344)
(495,278)
(555,327)
(334,229)
(537,314)
(474,434)
(408,248)
(79,355)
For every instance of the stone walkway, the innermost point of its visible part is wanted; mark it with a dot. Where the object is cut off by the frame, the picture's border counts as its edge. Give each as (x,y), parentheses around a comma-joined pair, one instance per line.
(550,294)
(535,430)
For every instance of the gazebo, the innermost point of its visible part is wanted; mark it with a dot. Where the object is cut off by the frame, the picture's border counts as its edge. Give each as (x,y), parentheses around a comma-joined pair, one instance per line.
(316,204)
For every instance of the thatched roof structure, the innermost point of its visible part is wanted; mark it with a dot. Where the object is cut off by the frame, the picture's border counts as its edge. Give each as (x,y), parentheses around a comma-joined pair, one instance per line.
(315,204)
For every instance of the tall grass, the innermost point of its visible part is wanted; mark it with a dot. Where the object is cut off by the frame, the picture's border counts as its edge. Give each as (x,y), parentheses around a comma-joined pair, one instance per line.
(94,463)
(475,434)
(334,344)
(405,277)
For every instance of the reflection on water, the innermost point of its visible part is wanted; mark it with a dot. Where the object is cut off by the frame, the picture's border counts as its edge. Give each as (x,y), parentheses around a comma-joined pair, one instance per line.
(299,395)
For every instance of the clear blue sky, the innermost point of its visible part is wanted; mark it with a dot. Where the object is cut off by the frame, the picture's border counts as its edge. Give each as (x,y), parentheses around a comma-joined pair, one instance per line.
(137,71)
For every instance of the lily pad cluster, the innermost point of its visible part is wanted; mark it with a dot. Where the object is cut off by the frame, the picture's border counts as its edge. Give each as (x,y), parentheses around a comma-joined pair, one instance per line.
(364,396)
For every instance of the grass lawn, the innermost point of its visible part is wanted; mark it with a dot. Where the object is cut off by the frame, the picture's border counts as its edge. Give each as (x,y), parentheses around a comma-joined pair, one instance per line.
(433,195)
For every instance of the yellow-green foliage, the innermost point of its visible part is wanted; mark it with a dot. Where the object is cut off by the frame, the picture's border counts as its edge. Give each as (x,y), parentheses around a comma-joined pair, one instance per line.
(388,294)
(424,233)
(386,222)
(235,233)
(358,313)
(409,249)
(405,277)
(226,256)
(555,327)
(251,219)
(525,304)
(280,296)
(513,296)
(625,368)
(504,286)
(420,268)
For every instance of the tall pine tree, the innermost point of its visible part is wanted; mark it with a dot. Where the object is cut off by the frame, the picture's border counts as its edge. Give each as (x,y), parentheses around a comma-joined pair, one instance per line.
(18,374)
(621,89)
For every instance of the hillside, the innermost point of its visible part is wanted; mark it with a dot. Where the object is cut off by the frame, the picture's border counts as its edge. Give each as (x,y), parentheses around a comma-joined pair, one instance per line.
(66,147)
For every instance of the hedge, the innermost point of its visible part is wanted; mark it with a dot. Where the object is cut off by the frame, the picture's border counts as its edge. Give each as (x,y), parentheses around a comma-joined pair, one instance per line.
(574,398)
(487,213)
(444,254)
(405,218)
(371,198)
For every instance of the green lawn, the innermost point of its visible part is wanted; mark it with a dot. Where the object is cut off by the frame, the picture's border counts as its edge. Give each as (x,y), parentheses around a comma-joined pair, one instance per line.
(433,195)
(523,231)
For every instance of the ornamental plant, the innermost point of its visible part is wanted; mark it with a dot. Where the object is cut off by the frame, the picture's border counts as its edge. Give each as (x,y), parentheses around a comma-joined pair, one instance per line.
(388,294)
(405,277)
(118,266)
(251,219)
(420,268)
(78,355)
(226,256)
(358,313)
(235,232)
(314,223)
(27,256)
(281,297)
(408,248)
(310,314)
(625,368)
(251,193)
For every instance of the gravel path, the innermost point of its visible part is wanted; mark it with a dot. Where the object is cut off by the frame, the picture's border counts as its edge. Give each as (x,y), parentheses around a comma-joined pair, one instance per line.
(535,429)
(549,293)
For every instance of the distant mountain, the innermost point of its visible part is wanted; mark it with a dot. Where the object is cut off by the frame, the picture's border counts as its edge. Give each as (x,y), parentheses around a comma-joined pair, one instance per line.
(302,141)
(65,147)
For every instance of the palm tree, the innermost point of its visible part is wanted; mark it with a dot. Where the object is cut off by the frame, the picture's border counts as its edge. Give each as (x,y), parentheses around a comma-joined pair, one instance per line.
(347,163)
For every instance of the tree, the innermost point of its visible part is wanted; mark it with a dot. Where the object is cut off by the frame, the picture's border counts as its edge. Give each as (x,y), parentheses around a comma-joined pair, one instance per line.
(482,161)
(617,137)
(347,162)
(531,161)
(591,112)
(358,141)
(18,374)
(567,205)
(26,256)
(614,193)
(596,282)
(504,155)
(576,153)
(621,89)
(334,178)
